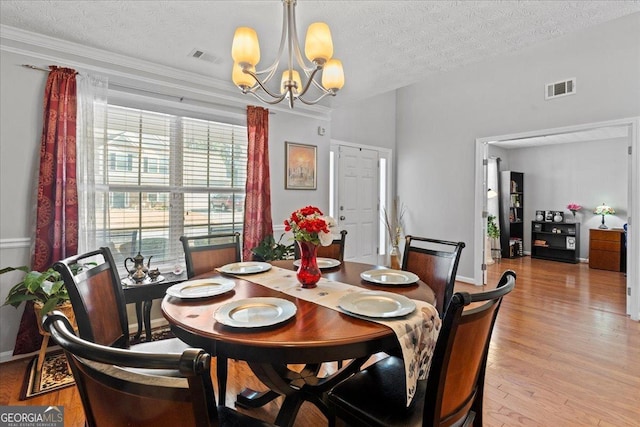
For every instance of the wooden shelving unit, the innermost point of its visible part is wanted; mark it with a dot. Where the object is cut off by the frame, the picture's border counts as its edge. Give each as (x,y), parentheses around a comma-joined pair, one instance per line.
(556,241)
(511,213)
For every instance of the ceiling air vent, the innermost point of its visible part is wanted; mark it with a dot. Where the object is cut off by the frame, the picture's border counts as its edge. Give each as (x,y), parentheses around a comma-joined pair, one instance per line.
(565,87)
(204,56)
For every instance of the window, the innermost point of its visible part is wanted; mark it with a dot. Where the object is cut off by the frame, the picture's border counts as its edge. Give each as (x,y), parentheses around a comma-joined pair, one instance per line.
(160,176)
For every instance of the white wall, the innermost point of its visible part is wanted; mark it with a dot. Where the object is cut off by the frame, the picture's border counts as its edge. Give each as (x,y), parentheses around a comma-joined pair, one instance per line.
(439,119)
(588,173)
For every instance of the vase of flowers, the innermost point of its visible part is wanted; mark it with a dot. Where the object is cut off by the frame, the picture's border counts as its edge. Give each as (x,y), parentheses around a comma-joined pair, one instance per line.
(310,229)
(574,208)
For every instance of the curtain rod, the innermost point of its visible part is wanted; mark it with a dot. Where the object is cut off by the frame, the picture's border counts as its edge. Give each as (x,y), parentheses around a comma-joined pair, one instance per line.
(33,67)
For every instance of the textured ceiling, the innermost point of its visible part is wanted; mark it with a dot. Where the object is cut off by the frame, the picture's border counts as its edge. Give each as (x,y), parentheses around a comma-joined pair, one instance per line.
(383,44)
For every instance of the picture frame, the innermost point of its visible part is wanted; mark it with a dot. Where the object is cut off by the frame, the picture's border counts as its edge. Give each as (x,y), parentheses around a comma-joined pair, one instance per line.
(571,242)
(558,216)
(539,215)
(548,216)
(300,166)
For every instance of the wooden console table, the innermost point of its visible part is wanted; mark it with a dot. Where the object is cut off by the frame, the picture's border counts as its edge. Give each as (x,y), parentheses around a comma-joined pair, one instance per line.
(607,249)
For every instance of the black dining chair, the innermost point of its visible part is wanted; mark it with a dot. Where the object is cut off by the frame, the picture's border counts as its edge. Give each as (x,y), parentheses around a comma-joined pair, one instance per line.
(120,387)
(205,253)
(435,262)
(452,394)
(334,251)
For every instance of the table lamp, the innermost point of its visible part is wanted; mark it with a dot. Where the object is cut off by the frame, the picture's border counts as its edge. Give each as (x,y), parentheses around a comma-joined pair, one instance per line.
(604,210)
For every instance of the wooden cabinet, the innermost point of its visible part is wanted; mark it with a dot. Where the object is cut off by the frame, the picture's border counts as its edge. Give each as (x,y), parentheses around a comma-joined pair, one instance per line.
(607,249)
(511,213)
(556,241)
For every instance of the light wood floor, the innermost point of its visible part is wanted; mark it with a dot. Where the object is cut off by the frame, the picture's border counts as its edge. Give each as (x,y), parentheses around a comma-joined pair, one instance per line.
(563,354)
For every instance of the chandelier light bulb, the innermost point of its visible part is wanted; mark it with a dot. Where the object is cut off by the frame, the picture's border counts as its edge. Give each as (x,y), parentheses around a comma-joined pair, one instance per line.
(286,81)
(318,46)
(333,75)
(242,79)
(245,48)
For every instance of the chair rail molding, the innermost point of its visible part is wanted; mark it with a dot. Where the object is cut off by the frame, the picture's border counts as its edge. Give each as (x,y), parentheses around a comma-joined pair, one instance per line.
(14,243)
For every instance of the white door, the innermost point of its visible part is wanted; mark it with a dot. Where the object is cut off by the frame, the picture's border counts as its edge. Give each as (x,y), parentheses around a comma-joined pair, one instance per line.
(357,207)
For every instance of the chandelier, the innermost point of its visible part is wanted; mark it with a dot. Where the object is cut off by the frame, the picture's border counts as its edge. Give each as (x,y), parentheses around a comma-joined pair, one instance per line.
(318,49)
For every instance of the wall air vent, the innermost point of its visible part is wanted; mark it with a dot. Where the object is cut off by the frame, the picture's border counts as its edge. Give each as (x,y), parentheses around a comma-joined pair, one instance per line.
(562,88)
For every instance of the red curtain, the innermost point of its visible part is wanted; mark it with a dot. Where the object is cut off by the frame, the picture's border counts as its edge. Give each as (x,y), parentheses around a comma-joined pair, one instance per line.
(56,234)
(257,212)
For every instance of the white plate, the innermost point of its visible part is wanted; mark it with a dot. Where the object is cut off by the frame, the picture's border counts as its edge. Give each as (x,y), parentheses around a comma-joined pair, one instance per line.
(255,312)
(201,288)
(322,263)
(247,267)
(387,276)
(147,281)
(377,304)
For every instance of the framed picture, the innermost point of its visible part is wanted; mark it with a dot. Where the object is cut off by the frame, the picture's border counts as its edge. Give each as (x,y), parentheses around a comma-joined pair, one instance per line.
(548,216)
(571,242)
(539,215)
(300,166)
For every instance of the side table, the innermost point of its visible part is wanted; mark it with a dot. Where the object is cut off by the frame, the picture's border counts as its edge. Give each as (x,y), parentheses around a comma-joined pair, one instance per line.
(143,295)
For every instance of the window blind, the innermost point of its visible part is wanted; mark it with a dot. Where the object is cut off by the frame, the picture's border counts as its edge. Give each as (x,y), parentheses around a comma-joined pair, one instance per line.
(162,176)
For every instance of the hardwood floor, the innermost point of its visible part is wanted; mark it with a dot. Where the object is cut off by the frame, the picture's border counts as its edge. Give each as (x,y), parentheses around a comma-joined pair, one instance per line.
(563,353)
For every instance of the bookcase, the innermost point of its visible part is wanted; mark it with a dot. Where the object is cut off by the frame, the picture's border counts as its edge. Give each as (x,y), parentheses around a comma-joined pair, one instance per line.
(556,241)
(511,213)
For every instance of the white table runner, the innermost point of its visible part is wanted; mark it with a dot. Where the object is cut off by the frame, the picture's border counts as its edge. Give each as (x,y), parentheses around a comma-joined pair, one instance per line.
(416,332)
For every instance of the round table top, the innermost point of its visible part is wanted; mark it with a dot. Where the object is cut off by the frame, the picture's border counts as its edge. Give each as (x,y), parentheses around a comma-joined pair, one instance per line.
(314,334)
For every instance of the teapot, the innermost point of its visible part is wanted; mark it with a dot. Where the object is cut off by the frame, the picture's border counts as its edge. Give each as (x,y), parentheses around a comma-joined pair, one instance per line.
(139,271)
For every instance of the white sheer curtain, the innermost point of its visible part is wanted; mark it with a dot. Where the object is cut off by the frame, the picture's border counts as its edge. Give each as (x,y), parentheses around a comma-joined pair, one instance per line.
(90,135)
(493,206)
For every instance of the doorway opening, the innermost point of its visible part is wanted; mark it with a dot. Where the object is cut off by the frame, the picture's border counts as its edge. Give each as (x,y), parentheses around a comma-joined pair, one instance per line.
(579,133)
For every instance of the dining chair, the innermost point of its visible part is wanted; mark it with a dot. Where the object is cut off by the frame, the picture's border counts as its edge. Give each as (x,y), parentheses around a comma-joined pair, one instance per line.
(435,262)
(452,394)
(205,253)
(96,294)
(334,251)
(169,389)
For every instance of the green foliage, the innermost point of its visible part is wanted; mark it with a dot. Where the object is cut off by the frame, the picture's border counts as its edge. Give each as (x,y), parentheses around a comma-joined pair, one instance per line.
(45,287)
(270,250)
(492,229)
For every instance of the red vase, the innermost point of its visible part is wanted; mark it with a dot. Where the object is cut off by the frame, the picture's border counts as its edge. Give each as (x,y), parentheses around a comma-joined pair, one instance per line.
(308,272)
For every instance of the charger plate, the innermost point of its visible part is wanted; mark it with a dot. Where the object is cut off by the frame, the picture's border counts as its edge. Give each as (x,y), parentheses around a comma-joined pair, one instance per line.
(377,304)
(201,288)
(386,276)
(247,267)
(322,262)
(255,312)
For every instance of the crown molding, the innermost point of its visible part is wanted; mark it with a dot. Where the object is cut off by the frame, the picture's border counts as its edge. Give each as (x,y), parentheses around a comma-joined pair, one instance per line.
(134,73)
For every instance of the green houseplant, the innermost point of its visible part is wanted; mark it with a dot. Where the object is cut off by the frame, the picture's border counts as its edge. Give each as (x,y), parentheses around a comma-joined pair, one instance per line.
(492,229)
(46,288)
(270,250)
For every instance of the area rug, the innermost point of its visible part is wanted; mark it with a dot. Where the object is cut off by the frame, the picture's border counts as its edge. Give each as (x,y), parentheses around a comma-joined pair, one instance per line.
(55,373)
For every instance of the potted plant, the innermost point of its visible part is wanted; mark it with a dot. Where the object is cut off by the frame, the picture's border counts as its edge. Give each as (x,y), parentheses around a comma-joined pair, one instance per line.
(46,289)
(493,232)
(270,250)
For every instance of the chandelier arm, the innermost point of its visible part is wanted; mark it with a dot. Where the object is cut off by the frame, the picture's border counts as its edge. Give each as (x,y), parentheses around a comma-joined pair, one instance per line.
(293,29)
(272,102)
(262,85)
(309,81)
(325,94)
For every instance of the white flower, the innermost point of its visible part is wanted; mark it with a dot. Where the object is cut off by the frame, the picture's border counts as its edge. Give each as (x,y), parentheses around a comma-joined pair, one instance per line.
(327,238)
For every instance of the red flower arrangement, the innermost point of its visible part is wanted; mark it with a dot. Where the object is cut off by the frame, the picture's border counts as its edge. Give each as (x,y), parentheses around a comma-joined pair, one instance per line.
(310,225)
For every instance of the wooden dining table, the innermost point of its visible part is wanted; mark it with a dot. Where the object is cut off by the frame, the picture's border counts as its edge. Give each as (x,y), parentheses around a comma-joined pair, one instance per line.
(315,335)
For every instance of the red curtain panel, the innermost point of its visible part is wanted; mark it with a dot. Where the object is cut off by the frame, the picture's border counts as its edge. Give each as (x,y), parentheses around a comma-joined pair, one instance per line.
(257,212)
(56,234)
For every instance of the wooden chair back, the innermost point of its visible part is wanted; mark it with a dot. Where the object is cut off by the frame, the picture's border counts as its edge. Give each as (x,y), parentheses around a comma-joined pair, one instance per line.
(451,395)
(455,385)
(205,253)
(113,395)
(335,250)
(435,262)
(97,298)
